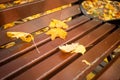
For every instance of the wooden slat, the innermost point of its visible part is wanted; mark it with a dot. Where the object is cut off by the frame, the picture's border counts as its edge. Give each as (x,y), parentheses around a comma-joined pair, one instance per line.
(45,50)
(38,6)
(78,70)
(39,23)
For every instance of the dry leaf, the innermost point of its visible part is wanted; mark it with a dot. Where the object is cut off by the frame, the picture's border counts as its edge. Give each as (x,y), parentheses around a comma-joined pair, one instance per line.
(9,25)
(27,37)
(73,48)
(79,49)
(38,32)
(22,1)
(57,32)
(58,24)
(2,6)
(68,47)
(8,45)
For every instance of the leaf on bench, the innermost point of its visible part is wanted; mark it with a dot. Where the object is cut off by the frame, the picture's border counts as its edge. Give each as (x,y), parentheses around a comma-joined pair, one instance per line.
(57,32)
(73,48)
(22,1)
(27,37)
(8,45)
(31,17)
(57,29)
(8,25)
(2,6)
(58,24)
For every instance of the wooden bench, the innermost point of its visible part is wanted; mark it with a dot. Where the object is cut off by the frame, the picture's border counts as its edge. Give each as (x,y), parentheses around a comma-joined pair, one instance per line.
(23,62)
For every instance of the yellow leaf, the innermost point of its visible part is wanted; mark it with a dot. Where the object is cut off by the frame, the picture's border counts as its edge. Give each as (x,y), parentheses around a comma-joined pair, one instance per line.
(2,6)
(90,76)
(38,32)
(17,1)
(8,45)
(9,25)
(52,24)
(73,48)
(57,32)
(27,37)
(79,49)
(58,24)
(68,47)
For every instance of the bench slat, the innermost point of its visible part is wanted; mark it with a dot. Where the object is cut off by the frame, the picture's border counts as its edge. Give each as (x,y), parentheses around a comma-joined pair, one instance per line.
(18,12)
(78,69)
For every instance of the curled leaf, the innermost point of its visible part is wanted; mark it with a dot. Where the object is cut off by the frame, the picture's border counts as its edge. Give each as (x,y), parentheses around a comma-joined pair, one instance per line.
(27,37)
(68,47)
(73,48)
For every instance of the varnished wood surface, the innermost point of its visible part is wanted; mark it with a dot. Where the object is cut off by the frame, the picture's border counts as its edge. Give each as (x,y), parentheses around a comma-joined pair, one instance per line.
(23,62)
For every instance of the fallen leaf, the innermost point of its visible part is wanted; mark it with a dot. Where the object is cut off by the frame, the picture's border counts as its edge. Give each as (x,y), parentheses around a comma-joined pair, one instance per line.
(8,25)
(68,47)
(58,24)
(73,48)
(79,49)
(8,45)
(2,6)
(57,32)
(27,37)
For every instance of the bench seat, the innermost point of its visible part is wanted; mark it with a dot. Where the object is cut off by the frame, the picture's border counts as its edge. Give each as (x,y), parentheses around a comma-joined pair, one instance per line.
(23,62)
